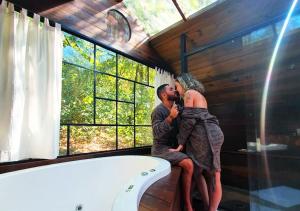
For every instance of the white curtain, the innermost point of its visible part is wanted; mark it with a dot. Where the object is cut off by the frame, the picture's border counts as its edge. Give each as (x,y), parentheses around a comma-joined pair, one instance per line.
(30,86)
(162,77)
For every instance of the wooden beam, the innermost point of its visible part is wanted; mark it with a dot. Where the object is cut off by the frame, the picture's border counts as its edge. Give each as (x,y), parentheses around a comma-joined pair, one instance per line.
(179,10)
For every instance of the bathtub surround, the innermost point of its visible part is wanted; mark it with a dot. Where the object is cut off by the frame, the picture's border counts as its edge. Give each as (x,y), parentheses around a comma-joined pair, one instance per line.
(162,77)
(30,85)
(84,184)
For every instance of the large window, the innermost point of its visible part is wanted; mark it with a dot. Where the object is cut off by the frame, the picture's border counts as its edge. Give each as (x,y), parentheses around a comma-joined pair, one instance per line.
(107,100)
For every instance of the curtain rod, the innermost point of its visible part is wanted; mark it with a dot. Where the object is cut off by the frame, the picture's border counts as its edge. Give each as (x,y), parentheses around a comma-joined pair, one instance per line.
(30,14)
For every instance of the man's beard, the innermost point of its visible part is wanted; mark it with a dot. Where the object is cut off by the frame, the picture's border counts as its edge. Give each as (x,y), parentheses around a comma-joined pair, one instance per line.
(172,98)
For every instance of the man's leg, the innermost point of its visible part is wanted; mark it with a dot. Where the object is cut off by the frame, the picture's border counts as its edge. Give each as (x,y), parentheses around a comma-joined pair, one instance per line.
(188,169)
(216,195)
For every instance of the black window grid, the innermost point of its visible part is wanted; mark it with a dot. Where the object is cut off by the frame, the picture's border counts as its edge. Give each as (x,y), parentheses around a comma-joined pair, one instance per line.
(116,100)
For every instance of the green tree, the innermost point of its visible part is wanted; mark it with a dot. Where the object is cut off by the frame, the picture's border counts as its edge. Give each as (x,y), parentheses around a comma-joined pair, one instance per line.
(79,107)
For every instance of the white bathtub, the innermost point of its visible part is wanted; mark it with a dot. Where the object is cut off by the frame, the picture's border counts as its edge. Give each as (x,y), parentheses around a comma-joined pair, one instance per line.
(102,184)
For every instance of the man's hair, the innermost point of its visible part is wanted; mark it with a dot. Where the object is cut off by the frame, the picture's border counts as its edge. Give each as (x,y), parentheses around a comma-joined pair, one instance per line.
(161,89)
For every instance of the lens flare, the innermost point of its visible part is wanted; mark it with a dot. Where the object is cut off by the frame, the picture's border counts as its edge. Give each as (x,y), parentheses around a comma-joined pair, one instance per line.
(265,95)
(269,75)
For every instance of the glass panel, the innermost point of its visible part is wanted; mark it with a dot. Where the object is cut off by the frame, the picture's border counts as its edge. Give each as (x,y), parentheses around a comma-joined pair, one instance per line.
(106,86)
(189,7)
(85,139)
(154,15)
(152,73)
(293,24)
(144,104)
(256,164)
(258,35)
(142,74)
(127,68)
(125,137)
(125,113)
(63,141)
(78,51)
(77,95)
(125,90)
(143,136)
(105,112)
(105,61)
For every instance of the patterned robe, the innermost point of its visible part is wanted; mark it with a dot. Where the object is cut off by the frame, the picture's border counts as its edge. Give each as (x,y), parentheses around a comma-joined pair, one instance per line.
(199,131)
(164,136)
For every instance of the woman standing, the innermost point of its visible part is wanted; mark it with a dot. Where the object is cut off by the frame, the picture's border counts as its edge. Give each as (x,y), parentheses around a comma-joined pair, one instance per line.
(202,137)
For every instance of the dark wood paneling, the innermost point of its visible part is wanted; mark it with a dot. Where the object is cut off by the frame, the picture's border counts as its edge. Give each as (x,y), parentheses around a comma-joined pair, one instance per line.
(224,19)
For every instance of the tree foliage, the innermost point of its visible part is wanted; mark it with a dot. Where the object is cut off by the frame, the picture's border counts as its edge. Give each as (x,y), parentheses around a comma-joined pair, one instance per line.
(112,83)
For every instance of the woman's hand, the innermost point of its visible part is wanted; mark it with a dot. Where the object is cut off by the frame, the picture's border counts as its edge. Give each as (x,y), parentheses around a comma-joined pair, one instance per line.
(178,149)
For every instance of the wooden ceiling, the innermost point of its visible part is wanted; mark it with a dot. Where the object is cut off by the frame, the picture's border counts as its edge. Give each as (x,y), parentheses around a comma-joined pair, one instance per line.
(88,17)
(224,19)
(233,71)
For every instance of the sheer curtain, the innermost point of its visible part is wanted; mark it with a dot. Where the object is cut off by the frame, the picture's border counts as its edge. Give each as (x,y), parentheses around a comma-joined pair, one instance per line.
(30,86)
(162,77)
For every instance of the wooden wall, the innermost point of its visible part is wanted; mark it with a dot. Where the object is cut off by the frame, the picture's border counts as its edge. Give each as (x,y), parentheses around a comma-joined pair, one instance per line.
(234,76)
(225,18)
(89,18)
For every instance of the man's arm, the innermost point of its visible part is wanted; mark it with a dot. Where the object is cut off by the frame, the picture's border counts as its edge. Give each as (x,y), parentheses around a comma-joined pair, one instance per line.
(161,125)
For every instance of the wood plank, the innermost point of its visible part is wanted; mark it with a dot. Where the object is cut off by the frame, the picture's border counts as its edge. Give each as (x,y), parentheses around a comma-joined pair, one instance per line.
(162,195)
(224,19)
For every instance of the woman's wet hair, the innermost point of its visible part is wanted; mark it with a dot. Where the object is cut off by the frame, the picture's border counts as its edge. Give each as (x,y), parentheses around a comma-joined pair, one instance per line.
(187,81)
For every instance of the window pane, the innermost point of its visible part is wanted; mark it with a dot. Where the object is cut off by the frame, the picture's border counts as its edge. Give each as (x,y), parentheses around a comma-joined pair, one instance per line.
(105,112)
(125,113)
(143,136)
(63,141)
(258,35)
(77,95)
(144,104)
(125,90)
(292,25)
(106,86)
(125,137)
(78,51)
(191,6)
(142,73)
(126,68)
(152,73)
(105,60)
(155,15)
(86,139)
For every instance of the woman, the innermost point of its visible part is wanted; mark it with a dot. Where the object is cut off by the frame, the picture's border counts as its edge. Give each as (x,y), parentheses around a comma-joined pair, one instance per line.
(202,137)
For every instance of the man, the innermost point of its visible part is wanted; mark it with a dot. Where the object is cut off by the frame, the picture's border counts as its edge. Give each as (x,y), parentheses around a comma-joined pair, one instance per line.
(164,126)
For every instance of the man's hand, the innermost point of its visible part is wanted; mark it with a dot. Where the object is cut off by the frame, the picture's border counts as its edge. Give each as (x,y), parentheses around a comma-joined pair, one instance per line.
(174,111)
(173,114)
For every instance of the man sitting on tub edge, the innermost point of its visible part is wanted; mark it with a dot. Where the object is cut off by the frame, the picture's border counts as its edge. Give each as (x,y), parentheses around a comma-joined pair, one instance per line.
(164,127)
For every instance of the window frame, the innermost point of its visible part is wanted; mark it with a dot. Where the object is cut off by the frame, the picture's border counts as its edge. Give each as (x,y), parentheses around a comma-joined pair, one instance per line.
(117,77)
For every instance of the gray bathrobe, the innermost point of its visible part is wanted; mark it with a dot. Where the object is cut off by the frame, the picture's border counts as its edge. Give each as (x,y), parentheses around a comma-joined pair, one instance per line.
(164,136)
(199,131)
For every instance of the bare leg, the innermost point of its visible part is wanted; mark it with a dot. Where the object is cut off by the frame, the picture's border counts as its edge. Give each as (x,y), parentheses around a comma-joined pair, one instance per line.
(188,169)
(215,196)
(202,187)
